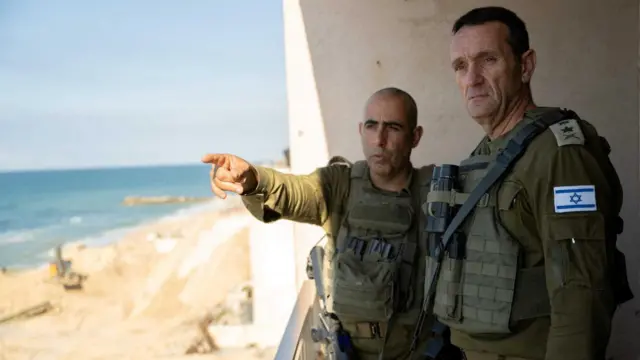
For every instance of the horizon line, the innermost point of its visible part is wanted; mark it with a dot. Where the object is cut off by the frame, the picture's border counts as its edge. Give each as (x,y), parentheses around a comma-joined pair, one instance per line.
(112,167)
(93,167)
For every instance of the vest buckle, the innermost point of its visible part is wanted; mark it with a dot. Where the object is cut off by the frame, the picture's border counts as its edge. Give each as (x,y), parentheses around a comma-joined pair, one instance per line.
(371,330)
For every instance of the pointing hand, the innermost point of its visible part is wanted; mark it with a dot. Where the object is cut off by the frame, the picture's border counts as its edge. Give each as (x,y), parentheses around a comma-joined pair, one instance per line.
(230,173)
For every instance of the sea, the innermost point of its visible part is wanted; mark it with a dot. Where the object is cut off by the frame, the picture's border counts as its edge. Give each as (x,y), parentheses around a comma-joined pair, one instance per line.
(42,209)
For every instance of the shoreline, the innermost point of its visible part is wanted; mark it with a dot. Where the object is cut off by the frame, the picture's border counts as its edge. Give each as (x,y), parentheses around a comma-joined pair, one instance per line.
(112,235)
(145,291)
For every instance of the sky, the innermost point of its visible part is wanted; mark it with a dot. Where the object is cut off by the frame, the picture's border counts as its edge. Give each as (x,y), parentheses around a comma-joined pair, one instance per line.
(122,83)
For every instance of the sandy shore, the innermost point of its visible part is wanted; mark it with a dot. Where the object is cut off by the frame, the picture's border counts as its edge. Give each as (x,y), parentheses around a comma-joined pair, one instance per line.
(143,295)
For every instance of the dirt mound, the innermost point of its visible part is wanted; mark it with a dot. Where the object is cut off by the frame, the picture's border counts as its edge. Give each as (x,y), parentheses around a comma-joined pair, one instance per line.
(143,296)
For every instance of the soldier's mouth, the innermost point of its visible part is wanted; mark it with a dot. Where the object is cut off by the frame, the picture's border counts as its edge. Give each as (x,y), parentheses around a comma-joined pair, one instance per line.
(378,158)
(477,97)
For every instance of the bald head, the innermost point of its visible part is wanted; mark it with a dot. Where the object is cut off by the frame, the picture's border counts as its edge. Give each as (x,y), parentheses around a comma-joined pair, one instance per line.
(410,106)
(390,132)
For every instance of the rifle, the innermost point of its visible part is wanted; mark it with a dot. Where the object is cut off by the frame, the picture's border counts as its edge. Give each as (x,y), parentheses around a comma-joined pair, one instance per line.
(337,340)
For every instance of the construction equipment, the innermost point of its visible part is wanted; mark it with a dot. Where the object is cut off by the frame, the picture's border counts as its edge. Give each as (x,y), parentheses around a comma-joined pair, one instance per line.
(61,272)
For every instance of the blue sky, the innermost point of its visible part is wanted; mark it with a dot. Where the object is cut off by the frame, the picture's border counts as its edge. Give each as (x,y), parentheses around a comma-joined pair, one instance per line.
(111,83)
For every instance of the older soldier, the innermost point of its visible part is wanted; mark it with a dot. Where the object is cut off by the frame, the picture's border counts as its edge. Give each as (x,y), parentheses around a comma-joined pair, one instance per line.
(371,212)
(541,276)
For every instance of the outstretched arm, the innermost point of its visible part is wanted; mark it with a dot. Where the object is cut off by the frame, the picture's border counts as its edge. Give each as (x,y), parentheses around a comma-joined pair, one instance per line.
(303,198)
(271,195)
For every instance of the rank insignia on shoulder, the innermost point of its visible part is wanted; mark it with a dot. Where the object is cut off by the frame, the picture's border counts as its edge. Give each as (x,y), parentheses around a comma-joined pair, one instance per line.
(567,132)
(574,198)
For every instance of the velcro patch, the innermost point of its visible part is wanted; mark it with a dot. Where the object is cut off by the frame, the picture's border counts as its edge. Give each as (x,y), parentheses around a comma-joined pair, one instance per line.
(574,198)
(567,132)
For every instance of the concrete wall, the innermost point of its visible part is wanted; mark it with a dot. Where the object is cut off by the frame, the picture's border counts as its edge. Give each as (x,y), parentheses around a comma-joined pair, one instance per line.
(339,52)
(274,285)
(272,256)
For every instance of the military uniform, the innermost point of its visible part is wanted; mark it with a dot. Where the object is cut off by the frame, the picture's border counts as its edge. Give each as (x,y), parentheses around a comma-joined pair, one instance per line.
(535,282)
(375,257)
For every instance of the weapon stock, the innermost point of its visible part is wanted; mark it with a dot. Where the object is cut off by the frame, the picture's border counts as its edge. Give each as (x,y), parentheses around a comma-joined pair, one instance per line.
(330,332)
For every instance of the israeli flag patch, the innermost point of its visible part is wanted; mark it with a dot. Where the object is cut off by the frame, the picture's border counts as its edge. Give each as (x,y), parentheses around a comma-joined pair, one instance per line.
(574,198)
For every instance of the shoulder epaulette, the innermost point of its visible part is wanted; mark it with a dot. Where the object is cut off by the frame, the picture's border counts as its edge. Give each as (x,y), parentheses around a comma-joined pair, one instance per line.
(567,132)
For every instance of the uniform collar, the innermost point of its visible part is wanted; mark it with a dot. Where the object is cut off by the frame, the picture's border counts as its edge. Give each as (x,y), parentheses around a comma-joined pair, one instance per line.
(496,145)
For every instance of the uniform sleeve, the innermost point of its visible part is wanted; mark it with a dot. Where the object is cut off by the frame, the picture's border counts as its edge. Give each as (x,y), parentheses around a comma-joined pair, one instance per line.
(301,198)
(572,206)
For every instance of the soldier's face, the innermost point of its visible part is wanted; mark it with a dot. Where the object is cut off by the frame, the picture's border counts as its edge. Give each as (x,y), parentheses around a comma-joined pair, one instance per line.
(486,70)
(387,138)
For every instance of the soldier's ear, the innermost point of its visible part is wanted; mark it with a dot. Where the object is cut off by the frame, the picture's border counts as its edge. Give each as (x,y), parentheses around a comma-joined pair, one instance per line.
(528,65)
(417,135)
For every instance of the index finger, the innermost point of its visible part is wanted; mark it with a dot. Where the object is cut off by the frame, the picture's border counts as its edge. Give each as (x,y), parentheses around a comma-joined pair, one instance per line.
(217,159)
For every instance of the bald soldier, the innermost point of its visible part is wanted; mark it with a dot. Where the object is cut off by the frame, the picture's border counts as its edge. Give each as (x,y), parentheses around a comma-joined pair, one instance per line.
(540,277)
(371,212)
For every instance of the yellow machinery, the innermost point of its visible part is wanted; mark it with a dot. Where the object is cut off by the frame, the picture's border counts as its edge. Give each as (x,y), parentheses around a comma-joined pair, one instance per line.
(60,271)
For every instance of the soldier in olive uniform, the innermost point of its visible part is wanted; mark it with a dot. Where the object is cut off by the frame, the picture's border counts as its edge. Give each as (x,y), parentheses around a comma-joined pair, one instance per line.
(371,212)
(541,277)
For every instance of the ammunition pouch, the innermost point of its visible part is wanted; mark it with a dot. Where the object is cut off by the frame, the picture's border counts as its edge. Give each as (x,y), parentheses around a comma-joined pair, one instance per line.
(371,286)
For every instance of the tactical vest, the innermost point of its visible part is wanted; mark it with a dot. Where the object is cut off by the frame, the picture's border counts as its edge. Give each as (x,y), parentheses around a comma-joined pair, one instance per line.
(487,290)
(476,294)
(373,270)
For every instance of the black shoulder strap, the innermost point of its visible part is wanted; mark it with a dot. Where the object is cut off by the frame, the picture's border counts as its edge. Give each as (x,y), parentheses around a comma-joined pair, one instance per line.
(505,159)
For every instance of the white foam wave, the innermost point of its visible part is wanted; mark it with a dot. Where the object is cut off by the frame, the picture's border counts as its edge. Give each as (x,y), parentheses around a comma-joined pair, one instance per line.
(110,236)
(75,220)
(24,236)
(17,238)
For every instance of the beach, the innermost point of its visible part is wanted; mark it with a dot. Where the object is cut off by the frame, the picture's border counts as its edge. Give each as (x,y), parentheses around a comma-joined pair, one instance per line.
(143,296)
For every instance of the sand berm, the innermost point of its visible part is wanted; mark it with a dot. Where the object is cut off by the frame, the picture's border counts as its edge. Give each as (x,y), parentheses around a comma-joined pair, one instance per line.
(143,296)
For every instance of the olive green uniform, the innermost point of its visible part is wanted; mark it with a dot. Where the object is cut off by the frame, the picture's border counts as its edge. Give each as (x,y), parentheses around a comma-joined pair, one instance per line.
(570,245)
(343,201)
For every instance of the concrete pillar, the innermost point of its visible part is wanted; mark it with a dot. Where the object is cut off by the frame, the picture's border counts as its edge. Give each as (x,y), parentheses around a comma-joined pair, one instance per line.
(339,52)
(303,98)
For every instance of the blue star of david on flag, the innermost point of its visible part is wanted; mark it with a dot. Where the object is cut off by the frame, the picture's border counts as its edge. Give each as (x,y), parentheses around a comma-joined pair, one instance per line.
(574,198)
